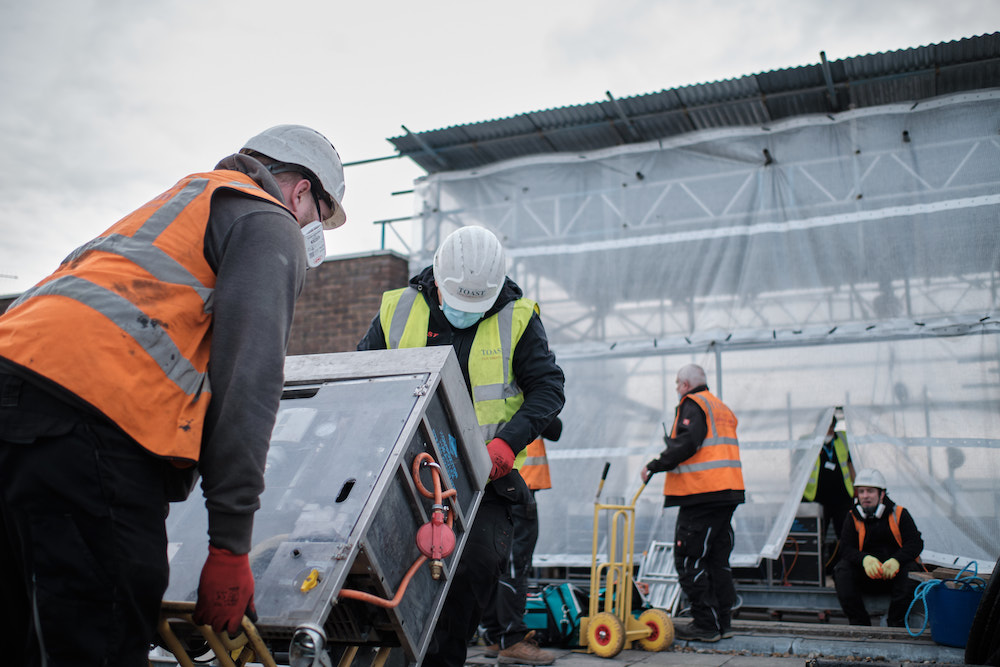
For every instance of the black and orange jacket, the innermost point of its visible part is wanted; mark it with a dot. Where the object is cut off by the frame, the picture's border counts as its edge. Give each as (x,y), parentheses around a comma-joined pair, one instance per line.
(892,535)
(702,457)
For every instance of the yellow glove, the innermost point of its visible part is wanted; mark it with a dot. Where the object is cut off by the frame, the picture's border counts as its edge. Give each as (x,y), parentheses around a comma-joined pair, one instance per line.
(873,568)
(890,568)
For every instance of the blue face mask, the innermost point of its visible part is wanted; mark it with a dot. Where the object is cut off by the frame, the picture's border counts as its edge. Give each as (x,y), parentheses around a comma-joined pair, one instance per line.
(459,318)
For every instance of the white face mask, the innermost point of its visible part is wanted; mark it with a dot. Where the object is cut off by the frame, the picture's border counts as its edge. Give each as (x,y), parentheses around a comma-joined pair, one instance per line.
(315,241)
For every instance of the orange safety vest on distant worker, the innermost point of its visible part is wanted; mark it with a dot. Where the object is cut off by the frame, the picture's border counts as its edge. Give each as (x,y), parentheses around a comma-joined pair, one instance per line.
(136,302)
(535,469)
(716,465)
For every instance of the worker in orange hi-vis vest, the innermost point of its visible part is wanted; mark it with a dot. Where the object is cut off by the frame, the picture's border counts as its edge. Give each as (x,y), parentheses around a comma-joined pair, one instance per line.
(880,547)
(503,619)
(704,479)
(151,356)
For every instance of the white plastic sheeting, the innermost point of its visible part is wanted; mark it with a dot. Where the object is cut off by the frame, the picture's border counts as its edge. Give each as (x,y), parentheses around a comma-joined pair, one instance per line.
(838,260)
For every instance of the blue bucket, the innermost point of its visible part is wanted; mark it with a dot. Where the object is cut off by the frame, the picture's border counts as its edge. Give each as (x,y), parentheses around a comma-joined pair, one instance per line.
(951,610)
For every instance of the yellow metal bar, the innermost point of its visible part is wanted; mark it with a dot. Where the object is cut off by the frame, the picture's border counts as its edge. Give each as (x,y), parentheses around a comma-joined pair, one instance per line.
(348,657)
(381,656)
(594,576)
(247,646)
(617,572)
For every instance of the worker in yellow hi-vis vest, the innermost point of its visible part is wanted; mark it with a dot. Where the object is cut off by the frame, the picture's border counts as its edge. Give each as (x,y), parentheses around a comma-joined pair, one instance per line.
(509,637)
(831,484)
(465,300)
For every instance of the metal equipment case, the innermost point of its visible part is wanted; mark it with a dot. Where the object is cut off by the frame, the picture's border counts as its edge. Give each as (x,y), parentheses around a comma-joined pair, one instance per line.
(340,501)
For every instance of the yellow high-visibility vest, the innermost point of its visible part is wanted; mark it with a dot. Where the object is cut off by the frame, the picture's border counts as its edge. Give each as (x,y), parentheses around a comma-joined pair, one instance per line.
(840,448)
(405,316)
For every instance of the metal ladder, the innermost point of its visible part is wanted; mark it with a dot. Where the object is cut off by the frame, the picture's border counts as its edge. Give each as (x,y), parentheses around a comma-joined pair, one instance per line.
(657,570)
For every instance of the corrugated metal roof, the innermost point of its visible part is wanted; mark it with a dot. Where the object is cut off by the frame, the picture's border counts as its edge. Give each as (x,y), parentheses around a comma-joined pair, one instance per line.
(861,81)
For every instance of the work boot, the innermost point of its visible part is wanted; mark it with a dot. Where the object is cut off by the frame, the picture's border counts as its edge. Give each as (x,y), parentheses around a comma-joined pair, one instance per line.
(690,631)
(526,652)
(491,650)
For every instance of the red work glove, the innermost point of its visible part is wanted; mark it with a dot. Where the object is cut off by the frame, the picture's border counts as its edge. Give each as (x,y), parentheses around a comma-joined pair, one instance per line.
(225,591)
(501,456)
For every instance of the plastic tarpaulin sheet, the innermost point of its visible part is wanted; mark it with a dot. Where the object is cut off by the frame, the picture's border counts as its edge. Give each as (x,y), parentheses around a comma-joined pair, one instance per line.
(849,259)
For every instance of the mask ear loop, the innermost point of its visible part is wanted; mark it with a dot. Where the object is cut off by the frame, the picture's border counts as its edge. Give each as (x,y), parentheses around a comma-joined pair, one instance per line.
(319,211)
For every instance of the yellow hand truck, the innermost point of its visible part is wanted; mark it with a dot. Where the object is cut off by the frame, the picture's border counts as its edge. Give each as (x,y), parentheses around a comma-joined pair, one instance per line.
(611,625)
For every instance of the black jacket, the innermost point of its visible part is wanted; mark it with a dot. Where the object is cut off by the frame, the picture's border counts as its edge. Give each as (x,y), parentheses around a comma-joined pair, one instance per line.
(535,368)
(879,541)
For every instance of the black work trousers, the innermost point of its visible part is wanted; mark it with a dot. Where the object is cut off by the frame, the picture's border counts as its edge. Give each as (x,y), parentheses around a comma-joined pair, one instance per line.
(703,541)
(852,583)
(504,614)
(474,583)
(83,548)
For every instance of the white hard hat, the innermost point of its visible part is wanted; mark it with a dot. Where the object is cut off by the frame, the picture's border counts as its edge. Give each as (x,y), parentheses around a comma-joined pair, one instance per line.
(470,268)
(305,147)
(870,477)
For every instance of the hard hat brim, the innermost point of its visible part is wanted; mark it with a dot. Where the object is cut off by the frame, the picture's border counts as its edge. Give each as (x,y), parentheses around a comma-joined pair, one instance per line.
(338,218)
(468,305)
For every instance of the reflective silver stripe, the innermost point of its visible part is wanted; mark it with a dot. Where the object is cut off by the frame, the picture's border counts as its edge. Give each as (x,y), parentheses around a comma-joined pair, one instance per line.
(137,324)
(240,184)
(508,389)
(140,250)
(709,413)
(162,218)
(536,461)
(490,430)
(505,320)
(497,392)
(489,392)
(400,316)
(709,465)
(153,260)
(719,441)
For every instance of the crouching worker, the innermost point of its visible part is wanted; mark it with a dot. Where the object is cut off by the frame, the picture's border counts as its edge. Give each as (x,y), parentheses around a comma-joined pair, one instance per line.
(880,544)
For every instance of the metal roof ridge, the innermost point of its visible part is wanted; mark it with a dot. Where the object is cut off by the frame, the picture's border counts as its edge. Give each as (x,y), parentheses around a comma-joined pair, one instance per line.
(704,85)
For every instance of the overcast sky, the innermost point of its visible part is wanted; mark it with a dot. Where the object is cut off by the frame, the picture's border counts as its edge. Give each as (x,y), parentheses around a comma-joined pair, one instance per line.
(106,103)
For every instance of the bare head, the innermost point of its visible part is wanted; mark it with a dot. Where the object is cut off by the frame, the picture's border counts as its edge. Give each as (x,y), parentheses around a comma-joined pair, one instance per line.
(689,377)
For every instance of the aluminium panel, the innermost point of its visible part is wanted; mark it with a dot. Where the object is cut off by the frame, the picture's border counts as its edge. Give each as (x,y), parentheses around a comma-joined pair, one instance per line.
(341,506)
